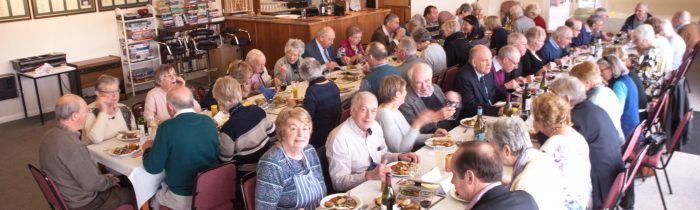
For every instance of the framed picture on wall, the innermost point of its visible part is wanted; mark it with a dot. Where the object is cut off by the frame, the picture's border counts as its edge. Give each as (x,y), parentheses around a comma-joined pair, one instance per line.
(112,4)
(52,8)
(14,10)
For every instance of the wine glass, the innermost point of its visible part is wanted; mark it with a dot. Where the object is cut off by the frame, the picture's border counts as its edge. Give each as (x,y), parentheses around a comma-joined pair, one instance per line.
(425,199)
(454,104)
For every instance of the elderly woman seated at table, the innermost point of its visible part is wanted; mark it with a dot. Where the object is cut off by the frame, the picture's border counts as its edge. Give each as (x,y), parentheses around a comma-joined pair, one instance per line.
(456,44)
(247,134)
(106,116)
(499,35)
(592,123)
(533,171)
(356,149)
(566,146)
(432,53)
(289,175)
(156,106)
(653,64)
(620,52)
(533,12)
(618,77)
(352,47)
(399,135)
(673,45)
(322,101)
(589,74)
(531,62)
(239,70)
(287,67)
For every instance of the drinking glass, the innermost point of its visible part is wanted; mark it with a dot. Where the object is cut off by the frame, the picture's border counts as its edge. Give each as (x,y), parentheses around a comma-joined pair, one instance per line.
(440,158)
(425,198)
(454,104)
(295,90)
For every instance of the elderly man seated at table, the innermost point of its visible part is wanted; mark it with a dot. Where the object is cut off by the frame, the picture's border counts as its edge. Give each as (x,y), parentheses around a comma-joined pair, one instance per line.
(321,48)
(669,41)
(184,146)
(475,83)
(456,44)
(477,170)
(566,146)
(69,164)
(518,41)
(502,69)
(389,33)
(555,48)
(247,134)
(239,70)
(260,81)
(521,23)
(594,125)
(533,171)
(289,175)
(650,65)
(399,135)
(641,14)
(322,101)
(406,53)
(575,25)
(423,95)
(430,13)
(107,117)
(589,74)
(287,67)
(689,31)
(356,149)
(156,105)
(590,31)
(377,59)
(432,53)
(352,46)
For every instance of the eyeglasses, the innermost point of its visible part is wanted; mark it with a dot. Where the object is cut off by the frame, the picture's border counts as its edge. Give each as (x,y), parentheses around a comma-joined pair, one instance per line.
(512,61)
(111,92)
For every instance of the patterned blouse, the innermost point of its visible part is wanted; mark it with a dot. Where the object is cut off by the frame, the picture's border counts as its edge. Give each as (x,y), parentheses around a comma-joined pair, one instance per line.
(651,68)
(570,153)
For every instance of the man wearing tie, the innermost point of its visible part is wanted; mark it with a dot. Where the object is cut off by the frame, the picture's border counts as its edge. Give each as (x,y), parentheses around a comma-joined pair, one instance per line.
(503,65)
(475,83)
(321,48)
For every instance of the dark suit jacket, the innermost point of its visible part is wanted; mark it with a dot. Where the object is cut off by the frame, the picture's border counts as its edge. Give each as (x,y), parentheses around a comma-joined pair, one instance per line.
(312,50)
(499,38)
(500,198)
(379,36)
(456,49)
(604,147)
(473,93)
(413,106)
(629,22)
(530,64)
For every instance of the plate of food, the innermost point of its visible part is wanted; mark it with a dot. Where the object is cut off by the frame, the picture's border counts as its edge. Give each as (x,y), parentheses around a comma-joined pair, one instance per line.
(341,201)
(469,122)
(129,136)
(402,168)
(125,150)
(440,142)
(455,195)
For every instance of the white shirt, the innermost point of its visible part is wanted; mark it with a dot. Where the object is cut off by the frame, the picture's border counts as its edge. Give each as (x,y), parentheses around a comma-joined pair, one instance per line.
(188,110)
(496,65)
(323,52)
(349,153)
(388,34)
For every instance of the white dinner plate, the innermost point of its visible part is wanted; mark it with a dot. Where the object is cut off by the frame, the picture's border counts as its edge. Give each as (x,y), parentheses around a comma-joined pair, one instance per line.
(453,194)
(464,121)
(123,155)
(429,142)
(329,197)
(122,137)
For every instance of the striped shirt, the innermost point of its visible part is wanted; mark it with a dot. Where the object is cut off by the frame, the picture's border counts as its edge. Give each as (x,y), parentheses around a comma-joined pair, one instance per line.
(246,136)
(275,187)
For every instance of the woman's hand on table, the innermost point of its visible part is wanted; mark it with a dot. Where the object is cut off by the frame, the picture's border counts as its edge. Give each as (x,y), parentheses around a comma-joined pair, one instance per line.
(147,144)
(346,60)
(378,172)
(410,157)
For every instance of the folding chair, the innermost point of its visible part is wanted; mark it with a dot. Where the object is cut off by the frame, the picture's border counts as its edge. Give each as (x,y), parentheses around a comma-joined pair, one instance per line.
(215,188)
(248,190)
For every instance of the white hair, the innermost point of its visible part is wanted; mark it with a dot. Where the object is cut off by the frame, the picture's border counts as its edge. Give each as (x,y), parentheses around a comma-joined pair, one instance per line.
(644,33)
(570,88)
(510,131)
(419,66)
(516,10)
(667,27)
(253,54)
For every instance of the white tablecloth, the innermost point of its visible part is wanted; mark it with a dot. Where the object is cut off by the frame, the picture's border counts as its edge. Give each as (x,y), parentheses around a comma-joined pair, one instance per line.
(145,184)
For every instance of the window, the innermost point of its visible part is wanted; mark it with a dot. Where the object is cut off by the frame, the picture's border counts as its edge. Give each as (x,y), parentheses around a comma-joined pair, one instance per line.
(12,10)
(51,8)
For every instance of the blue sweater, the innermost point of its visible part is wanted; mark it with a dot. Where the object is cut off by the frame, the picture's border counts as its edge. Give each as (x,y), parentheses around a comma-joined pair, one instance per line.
(550,51)
(626,92)
(323,103)
(275,188)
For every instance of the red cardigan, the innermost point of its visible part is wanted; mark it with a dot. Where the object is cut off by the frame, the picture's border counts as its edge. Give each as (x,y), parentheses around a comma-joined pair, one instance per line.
(539,21)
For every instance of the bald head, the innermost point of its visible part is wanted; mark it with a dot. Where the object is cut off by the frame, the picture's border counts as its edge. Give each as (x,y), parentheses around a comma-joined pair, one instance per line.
(71,111)
(179,98)
(680,18)
(480,58)
(325,36)
(640,11)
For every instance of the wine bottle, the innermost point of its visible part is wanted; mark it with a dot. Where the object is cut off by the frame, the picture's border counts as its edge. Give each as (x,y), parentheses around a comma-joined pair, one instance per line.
(388,198)
(479,126)
(543,83)
(525,104)
(322,8)
(508,110)
(142,125)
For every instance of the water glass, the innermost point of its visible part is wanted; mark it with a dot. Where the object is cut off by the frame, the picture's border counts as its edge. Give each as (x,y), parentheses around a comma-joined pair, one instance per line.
(440,158)
(454,104)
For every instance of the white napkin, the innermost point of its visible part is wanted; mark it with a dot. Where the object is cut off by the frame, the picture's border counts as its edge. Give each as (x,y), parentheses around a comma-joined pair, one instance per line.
(220,118)
(44,69)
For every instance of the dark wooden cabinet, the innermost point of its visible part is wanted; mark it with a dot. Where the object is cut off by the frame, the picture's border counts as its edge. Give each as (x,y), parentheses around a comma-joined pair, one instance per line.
(89,70)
